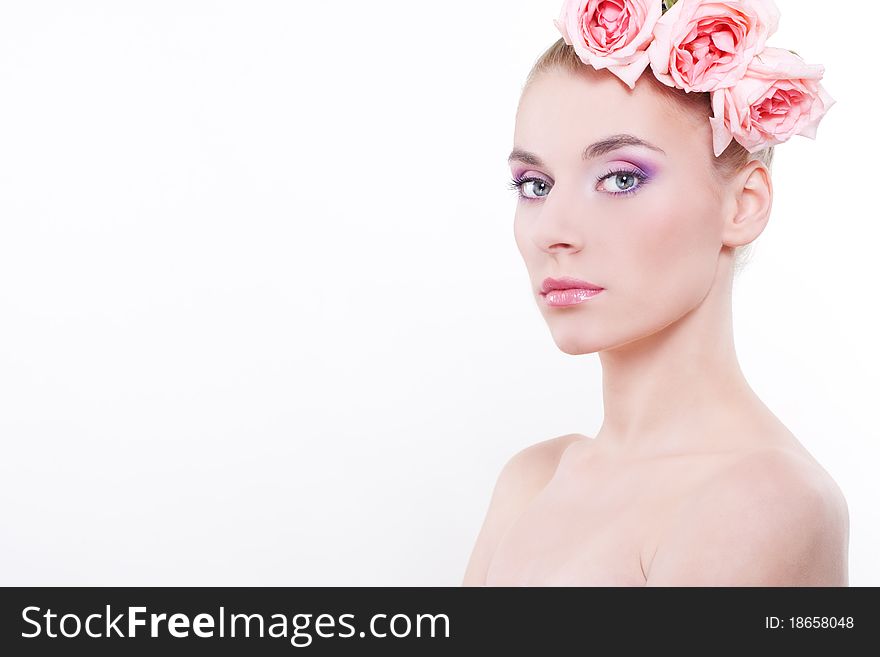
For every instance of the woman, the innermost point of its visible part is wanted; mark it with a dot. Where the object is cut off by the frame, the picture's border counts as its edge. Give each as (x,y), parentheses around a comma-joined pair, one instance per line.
(634,210)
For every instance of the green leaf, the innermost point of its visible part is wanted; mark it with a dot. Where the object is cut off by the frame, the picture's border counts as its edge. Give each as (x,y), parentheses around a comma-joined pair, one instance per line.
(667,4)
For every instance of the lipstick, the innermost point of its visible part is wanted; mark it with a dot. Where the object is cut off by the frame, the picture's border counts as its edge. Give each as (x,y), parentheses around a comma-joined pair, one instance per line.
(568,291)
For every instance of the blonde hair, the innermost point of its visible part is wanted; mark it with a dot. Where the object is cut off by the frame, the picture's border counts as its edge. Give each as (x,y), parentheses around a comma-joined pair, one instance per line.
(561,56)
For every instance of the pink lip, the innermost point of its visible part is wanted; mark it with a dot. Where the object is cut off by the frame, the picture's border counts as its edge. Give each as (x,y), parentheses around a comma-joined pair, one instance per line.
(567,283)
(566,291)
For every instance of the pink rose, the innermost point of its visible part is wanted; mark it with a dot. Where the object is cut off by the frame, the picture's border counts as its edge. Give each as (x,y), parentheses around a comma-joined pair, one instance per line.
(779,97)
(612,34)
(703,46)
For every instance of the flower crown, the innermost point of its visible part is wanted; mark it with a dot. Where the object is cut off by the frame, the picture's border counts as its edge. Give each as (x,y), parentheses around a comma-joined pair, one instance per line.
(761,96)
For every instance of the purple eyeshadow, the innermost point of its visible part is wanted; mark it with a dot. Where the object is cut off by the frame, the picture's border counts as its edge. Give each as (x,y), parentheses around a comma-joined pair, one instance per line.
(646,167)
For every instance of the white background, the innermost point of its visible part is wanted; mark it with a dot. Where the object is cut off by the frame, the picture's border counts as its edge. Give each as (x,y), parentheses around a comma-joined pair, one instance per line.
(239,338)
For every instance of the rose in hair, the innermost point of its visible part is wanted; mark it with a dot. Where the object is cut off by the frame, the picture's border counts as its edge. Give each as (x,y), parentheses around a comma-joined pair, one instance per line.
(704,46)
(780,96)
(612,34)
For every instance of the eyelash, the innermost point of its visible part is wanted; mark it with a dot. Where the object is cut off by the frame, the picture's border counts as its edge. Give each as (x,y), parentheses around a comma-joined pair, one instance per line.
(517,183)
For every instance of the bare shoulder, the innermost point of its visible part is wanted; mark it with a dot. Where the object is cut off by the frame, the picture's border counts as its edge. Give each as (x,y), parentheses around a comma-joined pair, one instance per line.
(522,477)
(769,517)
(528,471)
(532,467)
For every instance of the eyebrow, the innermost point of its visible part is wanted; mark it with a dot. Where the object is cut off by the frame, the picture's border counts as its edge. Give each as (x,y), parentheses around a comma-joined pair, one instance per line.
(601,147)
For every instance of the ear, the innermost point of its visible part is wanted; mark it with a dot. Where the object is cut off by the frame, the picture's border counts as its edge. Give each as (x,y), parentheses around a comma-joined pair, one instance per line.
(751,201)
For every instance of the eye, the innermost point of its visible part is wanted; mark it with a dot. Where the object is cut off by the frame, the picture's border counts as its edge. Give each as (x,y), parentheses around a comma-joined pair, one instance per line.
(622,181)
(538,185)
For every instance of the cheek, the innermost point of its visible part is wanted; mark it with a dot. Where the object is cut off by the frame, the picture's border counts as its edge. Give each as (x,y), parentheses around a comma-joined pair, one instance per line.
(680,224)
(519,234)
(669,245)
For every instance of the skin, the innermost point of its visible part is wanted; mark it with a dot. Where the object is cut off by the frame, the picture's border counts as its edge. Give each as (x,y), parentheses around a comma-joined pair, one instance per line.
(691,479)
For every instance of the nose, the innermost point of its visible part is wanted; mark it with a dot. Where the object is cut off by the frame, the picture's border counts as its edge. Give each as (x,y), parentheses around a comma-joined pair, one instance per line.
(558,227)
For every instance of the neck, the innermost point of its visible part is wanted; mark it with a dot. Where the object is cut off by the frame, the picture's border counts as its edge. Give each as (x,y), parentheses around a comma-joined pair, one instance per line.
(673,390)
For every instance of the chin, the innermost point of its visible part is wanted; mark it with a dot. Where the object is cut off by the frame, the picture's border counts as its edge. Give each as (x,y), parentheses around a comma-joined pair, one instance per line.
(576,350)
(575,340)
(575,345)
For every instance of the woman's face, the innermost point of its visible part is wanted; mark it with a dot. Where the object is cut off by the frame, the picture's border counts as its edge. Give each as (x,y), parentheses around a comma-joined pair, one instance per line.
(643,224)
